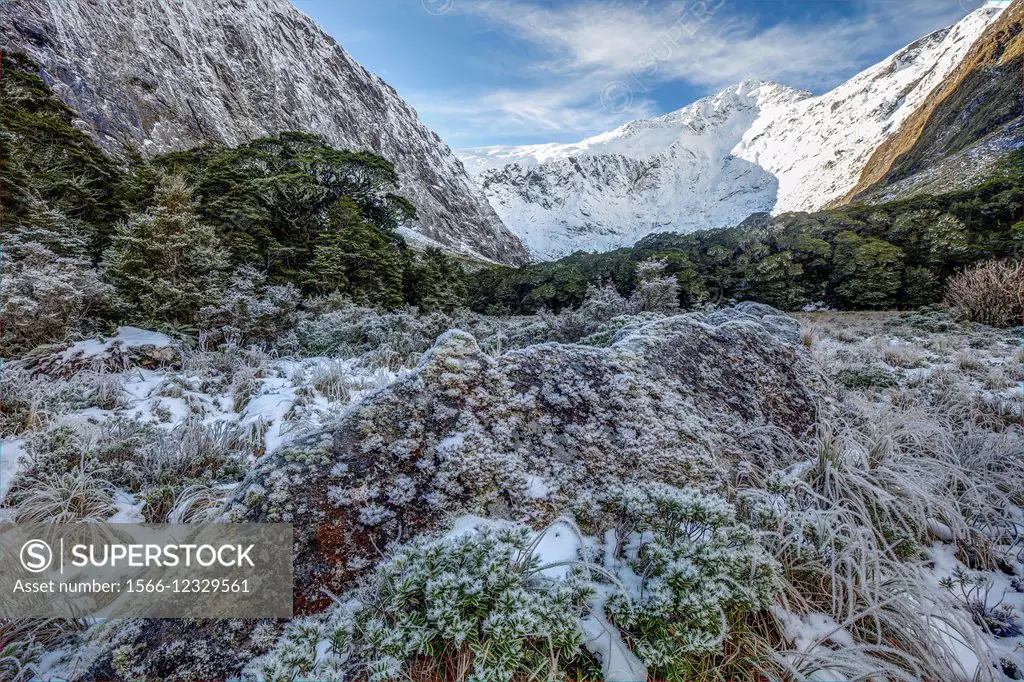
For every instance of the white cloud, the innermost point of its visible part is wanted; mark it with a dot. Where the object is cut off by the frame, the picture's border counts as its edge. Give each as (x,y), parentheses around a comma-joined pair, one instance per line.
(541,114)
(586,47)
(703,42)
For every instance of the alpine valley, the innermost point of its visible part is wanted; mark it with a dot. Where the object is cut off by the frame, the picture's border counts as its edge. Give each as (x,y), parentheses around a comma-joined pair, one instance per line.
(733,393)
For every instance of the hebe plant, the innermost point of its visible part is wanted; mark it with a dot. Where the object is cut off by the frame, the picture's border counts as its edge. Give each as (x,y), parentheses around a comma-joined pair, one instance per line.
(472,606)
(696,571)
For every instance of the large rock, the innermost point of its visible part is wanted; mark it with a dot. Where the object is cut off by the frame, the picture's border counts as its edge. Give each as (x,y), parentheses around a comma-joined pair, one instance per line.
(529,435)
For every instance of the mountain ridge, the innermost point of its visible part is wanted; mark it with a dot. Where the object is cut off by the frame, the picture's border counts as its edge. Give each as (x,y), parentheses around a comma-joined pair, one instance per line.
(795,152)
(977,108)
(166,76)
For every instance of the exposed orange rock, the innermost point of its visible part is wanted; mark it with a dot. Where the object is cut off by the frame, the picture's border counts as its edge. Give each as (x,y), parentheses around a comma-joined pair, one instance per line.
(997,50)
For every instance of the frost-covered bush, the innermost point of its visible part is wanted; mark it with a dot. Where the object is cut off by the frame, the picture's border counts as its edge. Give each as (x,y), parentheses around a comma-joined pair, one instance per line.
(318,648)
(655,291)
(20,652)
(53,452)
(46,298)
(386,339)
(499,334)
(696,570)
(251,311)
(602,304)
(118,447)
(475,605)
(991,293)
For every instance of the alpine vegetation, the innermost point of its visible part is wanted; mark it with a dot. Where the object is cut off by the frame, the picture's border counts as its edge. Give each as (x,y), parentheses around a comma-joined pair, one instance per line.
(782,447)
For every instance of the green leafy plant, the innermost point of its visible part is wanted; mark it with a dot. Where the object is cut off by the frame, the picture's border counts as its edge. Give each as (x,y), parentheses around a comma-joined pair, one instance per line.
(476,605)
(696,570)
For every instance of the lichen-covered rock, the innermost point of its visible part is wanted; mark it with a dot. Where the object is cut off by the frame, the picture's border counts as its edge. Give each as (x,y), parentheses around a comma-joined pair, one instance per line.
(533,433)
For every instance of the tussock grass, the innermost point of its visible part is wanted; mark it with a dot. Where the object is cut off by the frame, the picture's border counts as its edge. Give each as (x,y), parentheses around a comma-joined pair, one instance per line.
(69,497)
(849,512)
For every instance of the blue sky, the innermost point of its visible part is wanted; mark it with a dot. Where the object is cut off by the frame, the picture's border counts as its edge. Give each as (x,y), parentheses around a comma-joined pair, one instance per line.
(483,72)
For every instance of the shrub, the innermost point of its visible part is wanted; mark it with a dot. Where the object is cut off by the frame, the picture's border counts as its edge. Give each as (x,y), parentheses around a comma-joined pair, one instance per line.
(348,330)
(46,298)
(697,570)
(602,304)
(54,452)
(991,293)
(655,291)
(474,604)
(250,310)
(861,377)
(165,264)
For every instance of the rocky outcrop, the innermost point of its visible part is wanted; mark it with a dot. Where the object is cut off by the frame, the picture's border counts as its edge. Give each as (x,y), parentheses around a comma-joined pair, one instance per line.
(129,347)
(972,119)
(165,76)
(534,433)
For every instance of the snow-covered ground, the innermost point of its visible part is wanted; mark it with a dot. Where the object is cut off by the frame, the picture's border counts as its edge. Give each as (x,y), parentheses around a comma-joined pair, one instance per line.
(273,400)
(921,380)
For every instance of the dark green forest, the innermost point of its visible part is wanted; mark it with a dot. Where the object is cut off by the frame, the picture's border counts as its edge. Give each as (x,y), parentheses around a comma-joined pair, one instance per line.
(175,227)
(893,255)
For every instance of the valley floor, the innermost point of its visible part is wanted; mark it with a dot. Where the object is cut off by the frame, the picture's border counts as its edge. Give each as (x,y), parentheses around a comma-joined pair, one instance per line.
(927,433)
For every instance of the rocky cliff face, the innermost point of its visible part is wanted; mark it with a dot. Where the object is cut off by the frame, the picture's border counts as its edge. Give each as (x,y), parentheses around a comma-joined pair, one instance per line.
(755,147)
(970,121)
(170,75)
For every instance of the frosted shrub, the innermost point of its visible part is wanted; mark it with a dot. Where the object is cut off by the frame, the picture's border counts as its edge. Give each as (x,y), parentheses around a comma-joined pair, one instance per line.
(250,311)
(604,303)
(310,649)
(390,338)
(53,452)
(45,298)
(697,570)
(568,326)
(655,291)
(990,293)
(601,305)
(470,606)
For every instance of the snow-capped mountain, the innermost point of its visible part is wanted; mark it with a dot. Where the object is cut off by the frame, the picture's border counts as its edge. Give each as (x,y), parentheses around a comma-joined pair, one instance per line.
(752,148)
(170,75)
(673,173)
